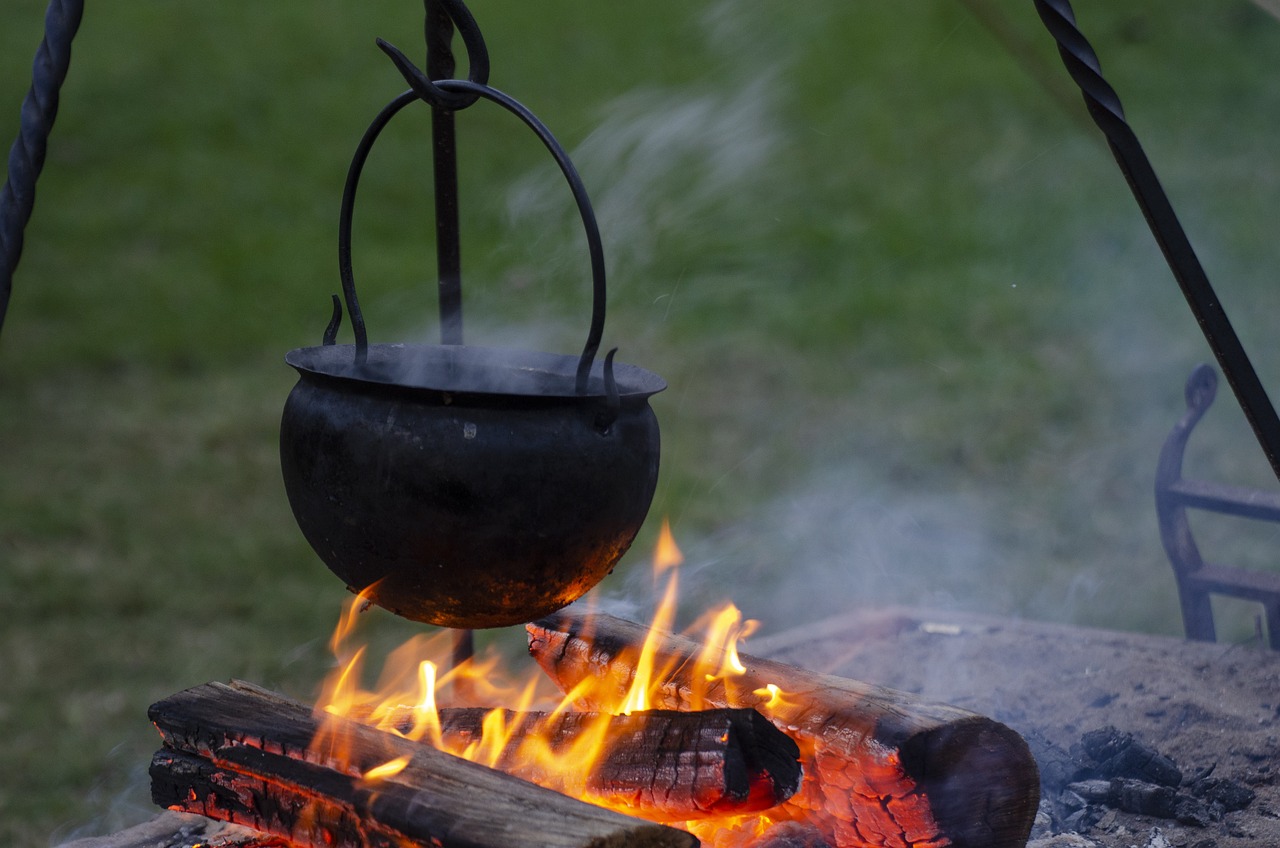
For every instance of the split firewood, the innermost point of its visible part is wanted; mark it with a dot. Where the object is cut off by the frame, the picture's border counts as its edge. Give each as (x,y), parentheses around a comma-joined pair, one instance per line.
(881,766)
(662,765)
(240,754)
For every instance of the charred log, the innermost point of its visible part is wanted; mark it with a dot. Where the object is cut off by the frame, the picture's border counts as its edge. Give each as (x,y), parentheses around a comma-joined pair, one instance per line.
(240,754)
(663,765)
(1119,754)
(881,767)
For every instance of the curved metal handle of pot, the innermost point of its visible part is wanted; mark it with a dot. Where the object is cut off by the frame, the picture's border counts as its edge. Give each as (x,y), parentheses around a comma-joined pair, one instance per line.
(420,89)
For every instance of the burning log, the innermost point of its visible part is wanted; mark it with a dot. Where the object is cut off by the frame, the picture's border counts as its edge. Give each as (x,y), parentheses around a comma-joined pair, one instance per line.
(881,767)
(238,753)
(662,765)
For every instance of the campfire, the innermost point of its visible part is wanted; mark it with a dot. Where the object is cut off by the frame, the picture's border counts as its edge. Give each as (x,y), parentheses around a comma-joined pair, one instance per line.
(646,738)
(468,488)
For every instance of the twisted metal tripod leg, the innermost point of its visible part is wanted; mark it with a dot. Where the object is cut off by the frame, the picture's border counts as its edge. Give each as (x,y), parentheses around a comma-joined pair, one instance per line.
(26,157)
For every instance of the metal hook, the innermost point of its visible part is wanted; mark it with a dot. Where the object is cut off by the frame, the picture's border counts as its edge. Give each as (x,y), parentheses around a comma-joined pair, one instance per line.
(477,60)
(612,401)
(449,15)
(420,83)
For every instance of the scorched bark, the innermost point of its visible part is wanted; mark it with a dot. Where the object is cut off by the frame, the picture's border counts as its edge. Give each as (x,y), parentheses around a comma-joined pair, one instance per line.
(241,754)
(662,765)
(881,768)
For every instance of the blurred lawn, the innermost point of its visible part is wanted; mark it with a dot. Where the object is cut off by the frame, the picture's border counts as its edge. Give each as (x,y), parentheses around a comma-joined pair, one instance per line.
(921,347)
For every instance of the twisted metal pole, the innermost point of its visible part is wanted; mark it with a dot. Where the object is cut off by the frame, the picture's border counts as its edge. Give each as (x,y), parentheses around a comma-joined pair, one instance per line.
(26,157)
(1104,107)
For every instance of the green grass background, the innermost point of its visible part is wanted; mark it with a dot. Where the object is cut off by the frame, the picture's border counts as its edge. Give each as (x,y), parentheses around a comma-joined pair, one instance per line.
(921,347)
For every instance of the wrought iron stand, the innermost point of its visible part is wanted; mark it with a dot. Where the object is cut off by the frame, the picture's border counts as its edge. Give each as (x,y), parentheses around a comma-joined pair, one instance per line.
(1197,579)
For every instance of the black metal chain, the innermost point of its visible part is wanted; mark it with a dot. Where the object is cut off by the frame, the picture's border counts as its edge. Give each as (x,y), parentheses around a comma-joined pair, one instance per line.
(26,157)
(1104,107)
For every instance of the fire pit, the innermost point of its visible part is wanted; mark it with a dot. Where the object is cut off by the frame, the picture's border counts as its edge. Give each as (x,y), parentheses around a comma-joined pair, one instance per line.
(740,752)
(1202,706)
(1210,709)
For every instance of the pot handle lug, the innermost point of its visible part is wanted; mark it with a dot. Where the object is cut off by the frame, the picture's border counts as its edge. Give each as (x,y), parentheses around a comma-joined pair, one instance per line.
(612,402)
(335,321)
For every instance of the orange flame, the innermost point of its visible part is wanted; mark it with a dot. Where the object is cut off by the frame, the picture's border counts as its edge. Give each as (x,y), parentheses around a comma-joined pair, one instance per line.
(666,554)
(405,702)
(388,769)
(666,558)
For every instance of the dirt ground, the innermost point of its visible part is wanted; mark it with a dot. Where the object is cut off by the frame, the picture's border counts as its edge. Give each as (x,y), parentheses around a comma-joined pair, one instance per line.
(1201,705)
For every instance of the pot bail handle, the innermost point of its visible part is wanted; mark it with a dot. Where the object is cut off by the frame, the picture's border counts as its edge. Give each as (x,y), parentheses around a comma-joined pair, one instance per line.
(422,88)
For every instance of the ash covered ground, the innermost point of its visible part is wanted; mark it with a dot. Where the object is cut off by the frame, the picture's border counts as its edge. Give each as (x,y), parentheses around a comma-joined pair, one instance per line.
(1107,714)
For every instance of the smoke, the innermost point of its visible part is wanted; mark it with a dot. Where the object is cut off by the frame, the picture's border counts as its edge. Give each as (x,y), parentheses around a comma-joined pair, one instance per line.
(119,799)
(666,161)
(665,158)
(844,540)
(1036,498)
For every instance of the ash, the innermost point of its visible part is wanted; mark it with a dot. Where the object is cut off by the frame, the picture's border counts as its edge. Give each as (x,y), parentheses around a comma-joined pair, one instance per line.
(1142,741)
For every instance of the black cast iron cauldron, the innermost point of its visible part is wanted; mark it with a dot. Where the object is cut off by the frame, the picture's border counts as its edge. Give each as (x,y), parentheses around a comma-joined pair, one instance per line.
(474,486)
(468,486)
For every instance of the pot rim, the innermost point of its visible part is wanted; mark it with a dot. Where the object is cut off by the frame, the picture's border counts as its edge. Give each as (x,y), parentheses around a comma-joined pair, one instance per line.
(471,370)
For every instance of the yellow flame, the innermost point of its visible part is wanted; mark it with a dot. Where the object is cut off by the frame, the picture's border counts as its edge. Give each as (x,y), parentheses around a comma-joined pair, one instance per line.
(666,554)
(418,678)
(638,697)
(388,769)
(772,695)
(426,717)
(350,616)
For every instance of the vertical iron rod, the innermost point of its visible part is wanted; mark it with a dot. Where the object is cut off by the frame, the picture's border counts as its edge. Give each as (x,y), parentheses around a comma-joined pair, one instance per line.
(440,66)
(444,146)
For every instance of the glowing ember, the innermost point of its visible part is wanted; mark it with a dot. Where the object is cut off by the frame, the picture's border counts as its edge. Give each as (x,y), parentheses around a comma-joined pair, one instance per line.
(411,688)
(388,769)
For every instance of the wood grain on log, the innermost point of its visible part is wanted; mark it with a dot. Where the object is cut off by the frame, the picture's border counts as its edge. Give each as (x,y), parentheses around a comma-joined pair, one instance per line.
(237,753)
(881,768)
(662,765)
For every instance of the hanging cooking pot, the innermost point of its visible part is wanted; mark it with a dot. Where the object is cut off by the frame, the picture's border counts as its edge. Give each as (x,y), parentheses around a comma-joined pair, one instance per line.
(468,486)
